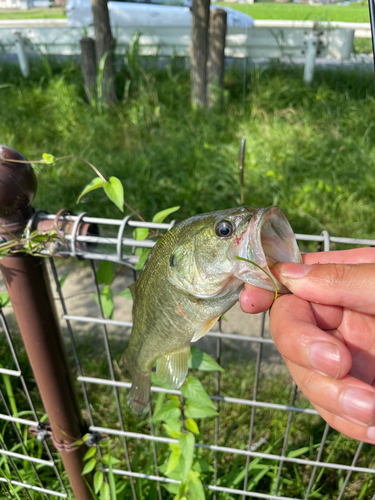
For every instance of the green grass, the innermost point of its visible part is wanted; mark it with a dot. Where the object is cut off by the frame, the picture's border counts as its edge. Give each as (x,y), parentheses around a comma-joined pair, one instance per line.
(305,433)
(303,12)
(310,149)
(53,13)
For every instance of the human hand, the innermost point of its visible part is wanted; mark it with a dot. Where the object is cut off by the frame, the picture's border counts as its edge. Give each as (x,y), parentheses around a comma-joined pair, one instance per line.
(325,332)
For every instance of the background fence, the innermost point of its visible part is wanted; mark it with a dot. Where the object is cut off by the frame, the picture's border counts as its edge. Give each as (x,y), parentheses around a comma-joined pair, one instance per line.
(239,439)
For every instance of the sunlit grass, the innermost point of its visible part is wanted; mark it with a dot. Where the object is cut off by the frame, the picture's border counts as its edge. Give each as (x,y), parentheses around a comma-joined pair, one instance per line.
(310,149)
(354,13)
(52,13)
(275,386)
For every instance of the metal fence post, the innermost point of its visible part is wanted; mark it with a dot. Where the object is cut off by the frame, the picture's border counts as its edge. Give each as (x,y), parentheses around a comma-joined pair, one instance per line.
(31,296)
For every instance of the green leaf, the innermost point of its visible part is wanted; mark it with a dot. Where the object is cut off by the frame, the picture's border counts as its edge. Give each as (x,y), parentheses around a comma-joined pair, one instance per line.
(191,425)
(106,297)
(299,452)
(10,394)
(105,273)
(106,300)
(4,299)
(202,361)
(98,480)
(107,459)
(104,492)
(62,279)
(197,410)
(187,453)
(90,453)
(142,259)
(126,294)
(3,253)
(89,466)
(115,192)
(111,479)
(172,488)
(173,461)
(160,216)
(202,466)
(195,486)
(48,158)
(138,251)
(140,233)
(94,184)
(174,446)
(173,430)
(169,411)
(193,389)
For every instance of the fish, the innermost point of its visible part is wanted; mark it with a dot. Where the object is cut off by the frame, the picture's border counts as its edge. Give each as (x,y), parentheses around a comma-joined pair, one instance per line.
(191,278)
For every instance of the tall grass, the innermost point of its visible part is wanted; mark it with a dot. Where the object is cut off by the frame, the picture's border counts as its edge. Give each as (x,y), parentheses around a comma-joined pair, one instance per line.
(310,149)
(305,433)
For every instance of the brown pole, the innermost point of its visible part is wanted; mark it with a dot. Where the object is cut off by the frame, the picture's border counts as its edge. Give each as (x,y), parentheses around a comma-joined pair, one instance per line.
(30,293)
(198,52)
(88,66)
(216,57)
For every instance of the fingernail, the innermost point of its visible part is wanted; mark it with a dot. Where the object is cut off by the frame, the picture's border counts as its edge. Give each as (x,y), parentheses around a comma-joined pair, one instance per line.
(359,404)
(325,358)
(292,270)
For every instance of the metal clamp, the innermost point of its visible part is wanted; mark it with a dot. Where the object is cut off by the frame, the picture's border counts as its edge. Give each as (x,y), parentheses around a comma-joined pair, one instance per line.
(120,235)
(74,233)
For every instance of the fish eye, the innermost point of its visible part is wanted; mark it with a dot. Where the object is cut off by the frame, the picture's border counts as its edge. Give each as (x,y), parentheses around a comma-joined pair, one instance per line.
(224,229)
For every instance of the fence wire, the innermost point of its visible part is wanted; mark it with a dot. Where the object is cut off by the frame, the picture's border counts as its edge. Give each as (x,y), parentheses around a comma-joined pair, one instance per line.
(99,393)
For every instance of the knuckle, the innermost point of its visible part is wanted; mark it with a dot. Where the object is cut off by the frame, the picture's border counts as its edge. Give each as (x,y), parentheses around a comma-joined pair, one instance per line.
(340,273)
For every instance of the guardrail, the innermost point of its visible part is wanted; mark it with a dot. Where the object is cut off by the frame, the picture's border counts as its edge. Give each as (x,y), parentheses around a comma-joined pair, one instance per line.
(361,30)
(296,42)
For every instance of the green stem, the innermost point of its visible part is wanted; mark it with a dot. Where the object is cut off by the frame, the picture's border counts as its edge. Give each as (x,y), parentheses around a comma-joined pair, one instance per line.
(265,272)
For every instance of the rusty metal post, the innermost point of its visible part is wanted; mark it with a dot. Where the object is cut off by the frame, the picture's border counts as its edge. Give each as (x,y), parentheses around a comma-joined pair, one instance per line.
(30,293)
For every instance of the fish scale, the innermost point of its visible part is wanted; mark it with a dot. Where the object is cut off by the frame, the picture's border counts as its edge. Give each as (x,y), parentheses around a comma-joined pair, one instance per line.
(192,277)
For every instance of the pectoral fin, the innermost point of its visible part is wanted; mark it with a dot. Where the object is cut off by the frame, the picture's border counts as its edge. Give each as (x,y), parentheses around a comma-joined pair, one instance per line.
(207,327)
(173,367)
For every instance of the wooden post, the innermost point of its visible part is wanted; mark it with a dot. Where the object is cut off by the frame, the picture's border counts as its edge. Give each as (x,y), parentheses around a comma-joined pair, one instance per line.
(199,51)
(88,66)
(105,47)
(312,48)
(22,56)
(216,57)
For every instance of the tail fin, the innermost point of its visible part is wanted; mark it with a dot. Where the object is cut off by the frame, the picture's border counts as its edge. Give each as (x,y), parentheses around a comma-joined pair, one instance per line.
(139,393)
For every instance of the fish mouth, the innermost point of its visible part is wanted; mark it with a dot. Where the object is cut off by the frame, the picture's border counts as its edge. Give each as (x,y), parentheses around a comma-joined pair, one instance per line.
(268,239)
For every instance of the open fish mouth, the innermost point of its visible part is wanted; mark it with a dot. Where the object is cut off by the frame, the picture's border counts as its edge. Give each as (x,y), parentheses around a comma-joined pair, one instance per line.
(268,239)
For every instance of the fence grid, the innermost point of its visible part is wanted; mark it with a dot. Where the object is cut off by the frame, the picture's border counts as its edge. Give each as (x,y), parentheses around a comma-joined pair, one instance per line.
(120,249)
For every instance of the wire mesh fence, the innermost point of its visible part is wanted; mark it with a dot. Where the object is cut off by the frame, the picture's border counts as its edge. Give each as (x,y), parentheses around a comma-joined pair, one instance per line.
(266,441)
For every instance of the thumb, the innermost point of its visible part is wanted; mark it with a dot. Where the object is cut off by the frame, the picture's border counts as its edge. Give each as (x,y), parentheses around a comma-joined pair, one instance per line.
(347,285)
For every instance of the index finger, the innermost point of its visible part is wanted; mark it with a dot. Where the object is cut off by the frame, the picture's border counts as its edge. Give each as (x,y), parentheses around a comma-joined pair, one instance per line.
(352,256)
(254,300)
(346,285)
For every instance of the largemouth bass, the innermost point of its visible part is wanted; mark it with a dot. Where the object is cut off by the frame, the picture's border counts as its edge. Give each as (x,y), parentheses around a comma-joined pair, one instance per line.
(191,279)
